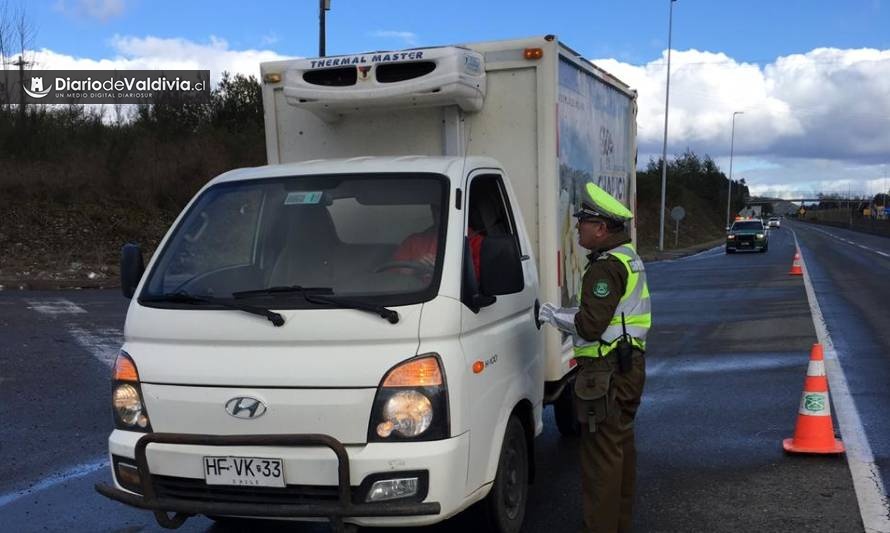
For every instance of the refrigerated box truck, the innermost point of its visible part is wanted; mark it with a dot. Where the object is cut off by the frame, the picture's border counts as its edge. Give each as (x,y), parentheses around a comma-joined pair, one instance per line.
(351,332)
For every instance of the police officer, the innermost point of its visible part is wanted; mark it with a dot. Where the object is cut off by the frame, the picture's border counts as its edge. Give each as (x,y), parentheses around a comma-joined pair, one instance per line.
(609,333)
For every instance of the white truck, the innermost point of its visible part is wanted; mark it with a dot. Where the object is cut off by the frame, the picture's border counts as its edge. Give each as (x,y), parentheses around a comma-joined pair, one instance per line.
(350,333)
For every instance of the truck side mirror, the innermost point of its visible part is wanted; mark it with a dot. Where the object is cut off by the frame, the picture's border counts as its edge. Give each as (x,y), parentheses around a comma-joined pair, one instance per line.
(469,290)
(500,267)
(132,268)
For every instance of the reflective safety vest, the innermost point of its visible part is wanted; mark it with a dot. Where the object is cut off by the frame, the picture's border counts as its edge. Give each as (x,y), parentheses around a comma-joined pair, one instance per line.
(634,304)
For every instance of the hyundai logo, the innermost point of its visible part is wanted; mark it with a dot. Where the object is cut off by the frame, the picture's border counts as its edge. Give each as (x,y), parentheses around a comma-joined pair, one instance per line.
(245,407)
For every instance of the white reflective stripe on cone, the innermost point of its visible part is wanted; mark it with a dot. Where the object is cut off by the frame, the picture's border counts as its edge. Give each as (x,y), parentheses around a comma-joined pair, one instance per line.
(814,404)
(816,369)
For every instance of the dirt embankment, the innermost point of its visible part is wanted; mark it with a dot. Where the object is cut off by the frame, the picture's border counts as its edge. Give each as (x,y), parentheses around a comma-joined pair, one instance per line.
(45,245)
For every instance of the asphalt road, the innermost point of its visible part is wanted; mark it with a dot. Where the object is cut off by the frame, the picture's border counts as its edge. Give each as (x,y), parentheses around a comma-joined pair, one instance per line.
(728,355)
(850,273)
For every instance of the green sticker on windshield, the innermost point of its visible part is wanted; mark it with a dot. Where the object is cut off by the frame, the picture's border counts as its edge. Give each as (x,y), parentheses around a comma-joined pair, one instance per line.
(303,198)
(601,288)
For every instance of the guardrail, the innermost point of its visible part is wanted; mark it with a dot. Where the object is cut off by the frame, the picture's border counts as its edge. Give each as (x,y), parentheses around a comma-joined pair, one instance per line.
(840,218)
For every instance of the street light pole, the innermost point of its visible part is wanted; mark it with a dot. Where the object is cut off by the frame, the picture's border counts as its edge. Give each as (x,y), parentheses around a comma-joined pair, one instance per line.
(664,148)
(731,148)
(323,5)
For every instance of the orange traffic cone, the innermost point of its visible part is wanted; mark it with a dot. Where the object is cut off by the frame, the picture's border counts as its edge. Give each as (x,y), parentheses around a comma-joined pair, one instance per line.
(814,432)
(795,266)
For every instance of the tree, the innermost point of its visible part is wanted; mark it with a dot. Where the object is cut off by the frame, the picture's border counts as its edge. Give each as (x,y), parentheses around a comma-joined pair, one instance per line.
(237,103)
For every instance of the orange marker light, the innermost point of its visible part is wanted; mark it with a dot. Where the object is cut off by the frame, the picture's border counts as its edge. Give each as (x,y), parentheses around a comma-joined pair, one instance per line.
(423,372)
(533,53)
(478,367)
(125,369)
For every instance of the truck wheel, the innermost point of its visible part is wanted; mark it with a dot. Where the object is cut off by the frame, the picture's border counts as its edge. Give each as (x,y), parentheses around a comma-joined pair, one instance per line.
(504,507)
(564,412)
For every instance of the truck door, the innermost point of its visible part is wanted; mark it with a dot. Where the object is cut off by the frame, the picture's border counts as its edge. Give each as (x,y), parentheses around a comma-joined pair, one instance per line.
(502,335)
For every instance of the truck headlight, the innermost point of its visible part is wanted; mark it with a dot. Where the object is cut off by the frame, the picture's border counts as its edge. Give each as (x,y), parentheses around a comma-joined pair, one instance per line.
(411,403)
(730,237)
(759,235)
(408,413)
(128,405)
(126,399)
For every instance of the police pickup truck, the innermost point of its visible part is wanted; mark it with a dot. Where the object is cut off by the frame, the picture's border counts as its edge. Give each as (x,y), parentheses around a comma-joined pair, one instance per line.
(747,235)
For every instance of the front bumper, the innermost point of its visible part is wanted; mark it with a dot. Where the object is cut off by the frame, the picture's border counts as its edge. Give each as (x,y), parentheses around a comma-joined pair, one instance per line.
(171,450)
(746,244)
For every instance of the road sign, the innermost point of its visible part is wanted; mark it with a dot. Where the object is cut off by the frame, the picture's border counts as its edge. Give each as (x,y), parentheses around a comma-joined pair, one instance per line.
(677,213)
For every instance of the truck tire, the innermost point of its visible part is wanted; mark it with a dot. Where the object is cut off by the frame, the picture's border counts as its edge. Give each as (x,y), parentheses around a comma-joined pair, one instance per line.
(564,412)
(504,507)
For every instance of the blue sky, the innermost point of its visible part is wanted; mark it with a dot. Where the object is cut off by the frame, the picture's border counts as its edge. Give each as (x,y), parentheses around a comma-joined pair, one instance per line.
(633,31)
(812,76)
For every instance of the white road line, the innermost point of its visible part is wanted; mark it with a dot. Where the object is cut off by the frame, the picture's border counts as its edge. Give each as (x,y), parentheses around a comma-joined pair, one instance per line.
(873,504)
(853,243)
(55,479)
(103,344)
(55,306)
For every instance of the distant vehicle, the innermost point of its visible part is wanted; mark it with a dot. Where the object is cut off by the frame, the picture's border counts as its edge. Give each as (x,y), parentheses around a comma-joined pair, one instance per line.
(747,235)
(774,222)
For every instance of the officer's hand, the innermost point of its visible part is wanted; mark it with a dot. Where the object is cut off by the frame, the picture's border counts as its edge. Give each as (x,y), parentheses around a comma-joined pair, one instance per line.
(545,314)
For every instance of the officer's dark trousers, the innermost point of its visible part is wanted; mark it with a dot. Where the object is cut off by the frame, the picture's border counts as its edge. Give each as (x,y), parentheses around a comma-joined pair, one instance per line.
(608,455)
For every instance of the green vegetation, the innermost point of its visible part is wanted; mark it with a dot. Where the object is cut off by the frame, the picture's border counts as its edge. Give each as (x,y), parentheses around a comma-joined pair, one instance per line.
(78,182)
(699,186)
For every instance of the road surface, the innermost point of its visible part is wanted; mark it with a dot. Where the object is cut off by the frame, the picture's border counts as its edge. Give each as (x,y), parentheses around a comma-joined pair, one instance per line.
(727,359)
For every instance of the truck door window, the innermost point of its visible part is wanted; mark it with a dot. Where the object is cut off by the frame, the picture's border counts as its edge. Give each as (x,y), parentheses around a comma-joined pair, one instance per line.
(489,209)
(488,213)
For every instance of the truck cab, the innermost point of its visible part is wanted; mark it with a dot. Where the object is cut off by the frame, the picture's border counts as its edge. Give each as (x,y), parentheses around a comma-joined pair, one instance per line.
(350,332)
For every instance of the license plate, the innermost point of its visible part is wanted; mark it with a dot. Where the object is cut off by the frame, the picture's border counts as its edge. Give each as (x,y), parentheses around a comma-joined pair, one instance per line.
(244,471)
(745,244)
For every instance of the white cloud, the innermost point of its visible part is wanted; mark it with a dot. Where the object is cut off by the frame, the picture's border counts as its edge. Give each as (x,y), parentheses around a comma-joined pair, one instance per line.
(270,38)
(409,38)
(811,120)
(161,53)
(826,111)
(101,10)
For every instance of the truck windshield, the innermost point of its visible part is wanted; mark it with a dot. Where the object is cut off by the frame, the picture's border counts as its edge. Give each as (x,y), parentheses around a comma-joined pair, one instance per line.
(748,226)
(370,237)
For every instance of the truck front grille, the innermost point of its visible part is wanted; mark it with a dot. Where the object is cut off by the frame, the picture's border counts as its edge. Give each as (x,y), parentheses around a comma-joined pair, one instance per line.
(197,490)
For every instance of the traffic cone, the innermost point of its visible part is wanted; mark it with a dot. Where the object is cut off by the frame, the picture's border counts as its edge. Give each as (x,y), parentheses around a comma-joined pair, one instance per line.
(814,432)
(795,265)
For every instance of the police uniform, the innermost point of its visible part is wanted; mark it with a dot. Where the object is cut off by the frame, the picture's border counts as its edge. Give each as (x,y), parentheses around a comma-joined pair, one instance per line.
(608,329)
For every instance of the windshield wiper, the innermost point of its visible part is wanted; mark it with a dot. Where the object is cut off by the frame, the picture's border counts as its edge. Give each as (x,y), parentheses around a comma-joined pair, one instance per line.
(283,289)
(324,296)
(183,297)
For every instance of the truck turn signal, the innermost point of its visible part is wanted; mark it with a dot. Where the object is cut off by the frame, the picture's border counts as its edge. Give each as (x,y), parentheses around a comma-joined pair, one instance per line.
(533,53)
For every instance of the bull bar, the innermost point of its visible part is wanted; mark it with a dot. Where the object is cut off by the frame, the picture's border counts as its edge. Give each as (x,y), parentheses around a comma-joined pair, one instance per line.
(183,509)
